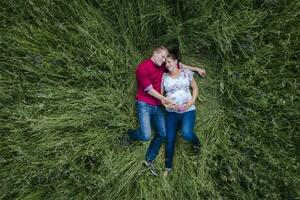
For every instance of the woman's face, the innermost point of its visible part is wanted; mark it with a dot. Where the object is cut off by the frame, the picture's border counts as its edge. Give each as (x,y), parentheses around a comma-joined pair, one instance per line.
(171,64)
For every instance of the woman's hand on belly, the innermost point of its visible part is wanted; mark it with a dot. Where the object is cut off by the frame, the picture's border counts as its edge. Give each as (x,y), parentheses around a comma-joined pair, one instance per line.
(188,104)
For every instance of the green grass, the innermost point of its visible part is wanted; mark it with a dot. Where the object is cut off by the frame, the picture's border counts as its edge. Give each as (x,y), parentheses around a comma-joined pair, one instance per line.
(67,91)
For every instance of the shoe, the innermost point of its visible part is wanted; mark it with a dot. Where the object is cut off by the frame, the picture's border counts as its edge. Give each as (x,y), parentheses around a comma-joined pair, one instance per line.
(197,148)
(151,168)
(126,140)
(167,172)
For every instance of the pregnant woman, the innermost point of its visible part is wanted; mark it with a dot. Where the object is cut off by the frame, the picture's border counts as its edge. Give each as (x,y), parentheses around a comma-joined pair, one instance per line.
(176,85)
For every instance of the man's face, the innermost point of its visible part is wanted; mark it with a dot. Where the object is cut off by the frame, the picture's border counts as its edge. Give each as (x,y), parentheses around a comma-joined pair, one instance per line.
(160,57)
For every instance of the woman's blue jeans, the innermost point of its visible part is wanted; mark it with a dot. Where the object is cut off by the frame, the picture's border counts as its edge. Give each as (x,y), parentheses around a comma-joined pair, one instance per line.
(148,114)
(187,122)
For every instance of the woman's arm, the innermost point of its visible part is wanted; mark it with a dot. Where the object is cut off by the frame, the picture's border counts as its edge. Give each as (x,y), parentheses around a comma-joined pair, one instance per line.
(195,91)
(199,70)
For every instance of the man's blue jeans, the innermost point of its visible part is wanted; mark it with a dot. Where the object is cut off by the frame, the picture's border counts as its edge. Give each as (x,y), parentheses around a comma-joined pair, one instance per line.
(148,114)
(173,120)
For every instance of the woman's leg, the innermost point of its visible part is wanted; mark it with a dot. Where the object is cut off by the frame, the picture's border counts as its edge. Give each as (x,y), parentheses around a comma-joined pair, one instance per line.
(172,120)
(188,122)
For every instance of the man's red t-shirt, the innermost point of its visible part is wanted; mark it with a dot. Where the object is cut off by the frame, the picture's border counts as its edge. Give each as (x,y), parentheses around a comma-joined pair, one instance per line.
(148,75)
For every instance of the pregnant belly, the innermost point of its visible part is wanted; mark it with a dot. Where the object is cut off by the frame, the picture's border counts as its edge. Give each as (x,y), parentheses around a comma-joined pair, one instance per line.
(180,97)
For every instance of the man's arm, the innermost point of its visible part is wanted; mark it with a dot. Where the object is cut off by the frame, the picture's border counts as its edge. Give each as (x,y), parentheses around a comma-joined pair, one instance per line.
(168,104)
(199,70)
(156,94)
(145,83)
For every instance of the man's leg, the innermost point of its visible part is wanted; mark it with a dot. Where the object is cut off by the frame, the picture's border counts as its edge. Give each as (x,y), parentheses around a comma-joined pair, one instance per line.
(172,121)
(158,121)
(144,132)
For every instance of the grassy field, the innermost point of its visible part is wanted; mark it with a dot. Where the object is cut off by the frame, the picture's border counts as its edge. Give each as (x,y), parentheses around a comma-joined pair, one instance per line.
(67,91)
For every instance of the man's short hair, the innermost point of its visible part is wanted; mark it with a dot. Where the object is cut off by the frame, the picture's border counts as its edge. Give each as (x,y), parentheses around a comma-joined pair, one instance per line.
(159,49)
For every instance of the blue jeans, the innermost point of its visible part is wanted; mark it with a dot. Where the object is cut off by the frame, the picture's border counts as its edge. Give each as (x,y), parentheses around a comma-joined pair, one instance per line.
(173,120)
(147,114)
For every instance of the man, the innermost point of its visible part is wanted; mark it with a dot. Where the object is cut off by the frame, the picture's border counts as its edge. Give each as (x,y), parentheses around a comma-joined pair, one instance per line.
(148,101)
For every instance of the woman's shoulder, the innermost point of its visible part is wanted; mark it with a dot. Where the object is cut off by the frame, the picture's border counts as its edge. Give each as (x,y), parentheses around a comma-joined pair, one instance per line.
(165,75)
(186,71)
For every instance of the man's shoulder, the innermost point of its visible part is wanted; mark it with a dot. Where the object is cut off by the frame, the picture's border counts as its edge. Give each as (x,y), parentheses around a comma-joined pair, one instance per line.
(146,64)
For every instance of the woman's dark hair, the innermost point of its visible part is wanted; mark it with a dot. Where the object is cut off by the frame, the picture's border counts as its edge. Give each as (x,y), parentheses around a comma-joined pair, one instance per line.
(173,47)
(173,56)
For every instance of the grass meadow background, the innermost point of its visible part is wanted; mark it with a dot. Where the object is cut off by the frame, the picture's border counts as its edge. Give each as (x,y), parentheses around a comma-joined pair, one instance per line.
(67,91)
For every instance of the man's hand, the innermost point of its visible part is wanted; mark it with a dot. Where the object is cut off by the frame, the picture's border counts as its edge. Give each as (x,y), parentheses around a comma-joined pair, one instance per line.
(170,104)
(167,101)
(200,71)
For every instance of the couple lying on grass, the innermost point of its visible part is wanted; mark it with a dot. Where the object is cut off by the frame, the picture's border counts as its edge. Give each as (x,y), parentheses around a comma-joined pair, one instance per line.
(163,80)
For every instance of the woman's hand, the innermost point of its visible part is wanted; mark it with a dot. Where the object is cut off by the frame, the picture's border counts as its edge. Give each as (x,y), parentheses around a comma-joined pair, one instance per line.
(188,104)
